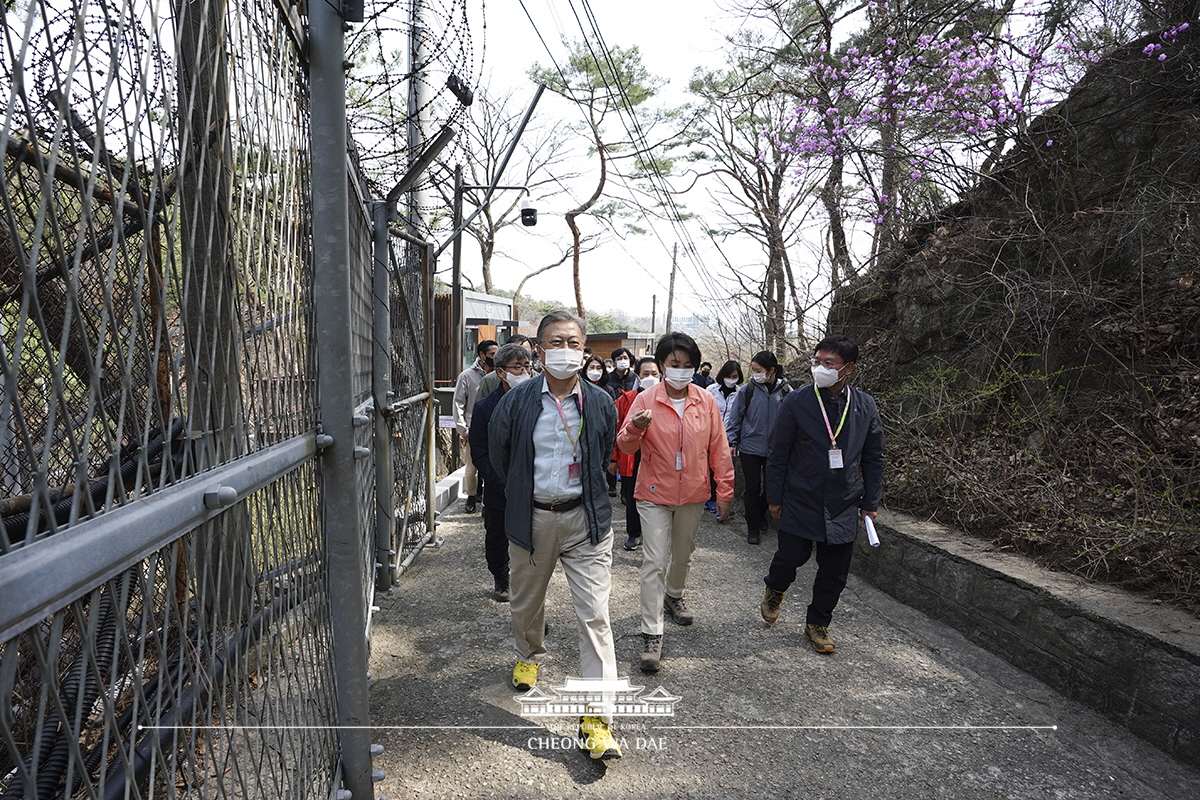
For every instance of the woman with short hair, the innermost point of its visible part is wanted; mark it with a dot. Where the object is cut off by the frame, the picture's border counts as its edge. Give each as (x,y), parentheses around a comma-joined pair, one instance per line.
(679,432)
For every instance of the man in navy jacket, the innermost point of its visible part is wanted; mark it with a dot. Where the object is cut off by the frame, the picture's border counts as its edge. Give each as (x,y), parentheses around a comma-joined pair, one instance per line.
(824,474)
(512,368)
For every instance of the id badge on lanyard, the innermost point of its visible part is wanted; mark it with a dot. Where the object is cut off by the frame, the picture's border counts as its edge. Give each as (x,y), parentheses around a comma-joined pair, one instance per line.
(575,468)
(835,452)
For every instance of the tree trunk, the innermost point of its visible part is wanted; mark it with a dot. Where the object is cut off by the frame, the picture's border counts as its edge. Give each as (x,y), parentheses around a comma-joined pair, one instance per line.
(576,237)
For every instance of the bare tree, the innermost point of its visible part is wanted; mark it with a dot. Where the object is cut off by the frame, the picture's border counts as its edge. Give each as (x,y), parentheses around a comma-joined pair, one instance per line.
(538,163)
(738,128)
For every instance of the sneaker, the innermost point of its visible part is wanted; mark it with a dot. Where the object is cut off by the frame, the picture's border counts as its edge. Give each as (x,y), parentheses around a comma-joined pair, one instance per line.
(633,543)
(597,739)
(710,507)
(524,676)
(819,636)
(469,508)
(677,610)
(771,602)
(500,593)
(651,652)
(753,537)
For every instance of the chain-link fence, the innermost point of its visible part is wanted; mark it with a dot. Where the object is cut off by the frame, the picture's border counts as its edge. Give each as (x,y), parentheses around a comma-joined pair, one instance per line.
(171,573)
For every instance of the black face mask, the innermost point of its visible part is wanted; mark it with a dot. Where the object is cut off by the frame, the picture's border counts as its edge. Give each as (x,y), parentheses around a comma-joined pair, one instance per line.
(491,362)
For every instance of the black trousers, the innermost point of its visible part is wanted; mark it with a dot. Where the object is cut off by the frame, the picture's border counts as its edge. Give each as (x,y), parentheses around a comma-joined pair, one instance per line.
(833,568)
(633,521)
(495,542)
(755,496)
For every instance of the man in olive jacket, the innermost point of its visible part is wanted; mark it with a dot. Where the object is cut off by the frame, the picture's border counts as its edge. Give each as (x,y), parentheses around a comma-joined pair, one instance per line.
(824,474)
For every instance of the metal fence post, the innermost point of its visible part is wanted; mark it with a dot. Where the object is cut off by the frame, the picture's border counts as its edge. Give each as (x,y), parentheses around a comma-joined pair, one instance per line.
(430,268)
(381,378)
(332,319)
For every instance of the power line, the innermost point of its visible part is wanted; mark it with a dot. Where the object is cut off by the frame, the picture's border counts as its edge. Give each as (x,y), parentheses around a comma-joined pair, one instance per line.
(593,39)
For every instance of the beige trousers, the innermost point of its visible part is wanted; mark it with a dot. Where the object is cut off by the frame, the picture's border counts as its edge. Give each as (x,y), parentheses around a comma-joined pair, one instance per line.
(563,538)
(668,541)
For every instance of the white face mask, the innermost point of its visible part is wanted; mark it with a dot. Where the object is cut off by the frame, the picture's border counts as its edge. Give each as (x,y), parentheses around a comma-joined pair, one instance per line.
(758,377)
(648,382)
(622,364)
(595,374)
(679,377)
(730,382)
(824,377)
(514,381)
(563,362)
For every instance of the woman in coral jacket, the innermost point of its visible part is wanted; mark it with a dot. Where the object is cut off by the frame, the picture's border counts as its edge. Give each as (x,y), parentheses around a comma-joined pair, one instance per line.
(678,429)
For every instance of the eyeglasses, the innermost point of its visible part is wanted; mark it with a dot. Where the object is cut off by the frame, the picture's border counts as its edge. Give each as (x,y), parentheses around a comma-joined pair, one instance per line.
(516,369)
(829,362)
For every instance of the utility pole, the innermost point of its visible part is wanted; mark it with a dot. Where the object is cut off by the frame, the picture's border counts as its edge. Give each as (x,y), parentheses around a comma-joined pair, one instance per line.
(671,289)
(456,298)
(653,311)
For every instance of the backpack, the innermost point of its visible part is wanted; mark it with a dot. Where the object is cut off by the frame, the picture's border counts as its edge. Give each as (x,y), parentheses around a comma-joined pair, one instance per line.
(783,390)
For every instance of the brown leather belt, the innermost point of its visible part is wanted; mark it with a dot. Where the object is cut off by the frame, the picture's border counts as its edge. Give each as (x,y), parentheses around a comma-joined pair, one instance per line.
(561,506)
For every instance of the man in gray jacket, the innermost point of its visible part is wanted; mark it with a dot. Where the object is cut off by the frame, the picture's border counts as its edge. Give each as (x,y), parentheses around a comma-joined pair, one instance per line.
(824,474)
(550,441)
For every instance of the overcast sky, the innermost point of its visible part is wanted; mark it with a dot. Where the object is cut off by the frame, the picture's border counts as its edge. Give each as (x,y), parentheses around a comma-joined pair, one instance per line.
(674,36)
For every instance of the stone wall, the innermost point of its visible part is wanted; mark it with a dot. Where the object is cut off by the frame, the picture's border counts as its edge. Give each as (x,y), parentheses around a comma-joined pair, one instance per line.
(1129,658)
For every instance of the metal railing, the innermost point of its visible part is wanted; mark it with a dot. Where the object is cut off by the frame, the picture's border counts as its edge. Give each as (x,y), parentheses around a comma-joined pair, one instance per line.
(216,428)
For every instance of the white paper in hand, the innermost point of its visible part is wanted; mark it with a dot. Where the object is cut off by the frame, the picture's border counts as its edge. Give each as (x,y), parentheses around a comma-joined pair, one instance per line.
(872,537)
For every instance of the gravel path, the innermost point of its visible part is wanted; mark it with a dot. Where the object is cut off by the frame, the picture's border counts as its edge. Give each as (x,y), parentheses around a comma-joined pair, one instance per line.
(906,708)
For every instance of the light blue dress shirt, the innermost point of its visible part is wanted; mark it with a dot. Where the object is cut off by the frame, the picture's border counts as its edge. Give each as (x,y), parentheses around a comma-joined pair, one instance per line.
(553,453)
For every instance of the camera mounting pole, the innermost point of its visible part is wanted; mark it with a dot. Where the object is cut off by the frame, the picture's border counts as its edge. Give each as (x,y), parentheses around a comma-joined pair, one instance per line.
(455,238)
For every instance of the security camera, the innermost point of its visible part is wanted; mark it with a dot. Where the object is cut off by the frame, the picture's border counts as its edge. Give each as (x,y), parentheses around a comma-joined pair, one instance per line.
(528,214)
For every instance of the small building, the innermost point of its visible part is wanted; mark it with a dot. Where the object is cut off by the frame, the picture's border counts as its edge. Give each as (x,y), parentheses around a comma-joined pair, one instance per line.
(485,317)
(642,344)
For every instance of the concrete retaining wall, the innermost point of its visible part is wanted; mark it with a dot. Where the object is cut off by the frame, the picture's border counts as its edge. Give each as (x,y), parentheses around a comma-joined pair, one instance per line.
(1135,661)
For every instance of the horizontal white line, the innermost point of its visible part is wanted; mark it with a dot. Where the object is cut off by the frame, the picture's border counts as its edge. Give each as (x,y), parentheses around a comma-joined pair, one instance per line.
(656,727)
(342,727)
(857,727)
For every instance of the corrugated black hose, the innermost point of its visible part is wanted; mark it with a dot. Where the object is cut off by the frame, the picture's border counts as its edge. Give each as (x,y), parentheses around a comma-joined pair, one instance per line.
(15,524)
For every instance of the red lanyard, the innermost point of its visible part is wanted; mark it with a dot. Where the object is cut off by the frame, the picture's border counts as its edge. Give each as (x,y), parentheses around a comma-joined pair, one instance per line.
(574,440)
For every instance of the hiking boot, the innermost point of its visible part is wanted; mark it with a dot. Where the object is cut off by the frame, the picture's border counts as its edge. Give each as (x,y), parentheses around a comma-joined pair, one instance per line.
(597,739)
(651,652)
(524,676)
(677,610)
(819,636)
(771,602)
(500,593)
(469,508)
(633,543)
(753,537)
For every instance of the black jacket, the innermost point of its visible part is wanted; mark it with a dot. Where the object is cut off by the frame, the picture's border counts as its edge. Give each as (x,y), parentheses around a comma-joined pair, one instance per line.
(481,415)
(818,502)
